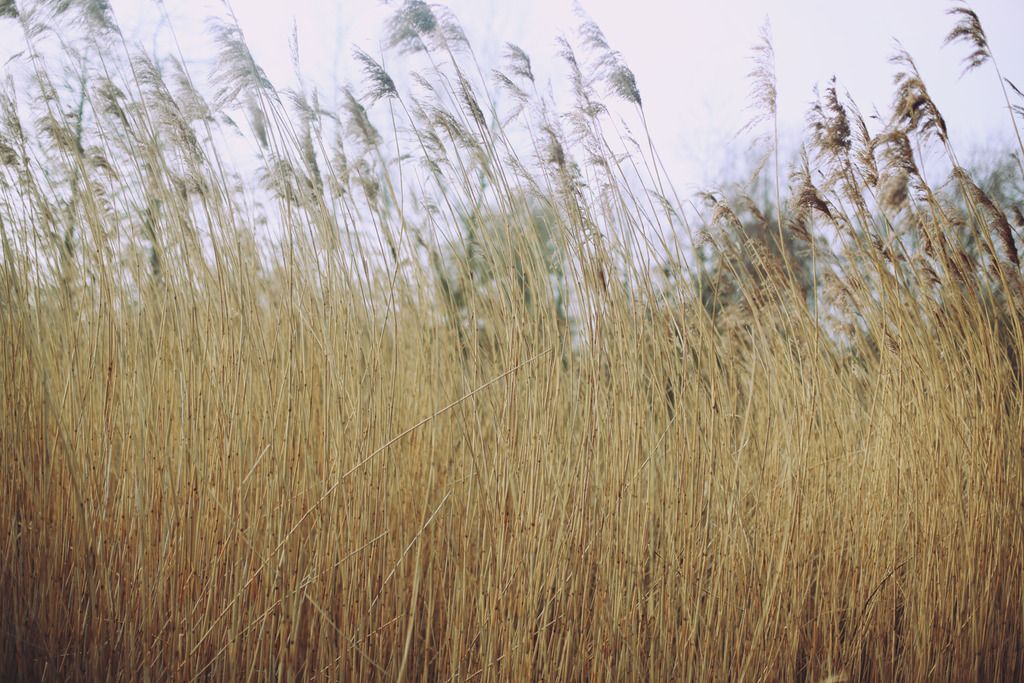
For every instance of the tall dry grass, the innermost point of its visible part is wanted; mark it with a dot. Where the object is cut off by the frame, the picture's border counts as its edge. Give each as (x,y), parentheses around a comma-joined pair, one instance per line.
(472,394)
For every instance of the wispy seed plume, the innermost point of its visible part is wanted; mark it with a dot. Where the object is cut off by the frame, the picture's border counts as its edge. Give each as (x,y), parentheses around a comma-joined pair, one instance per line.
(968,31)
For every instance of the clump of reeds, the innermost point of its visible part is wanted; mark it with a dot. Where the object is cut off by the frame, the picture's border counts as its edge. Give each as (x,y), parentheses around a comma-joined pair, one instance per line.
(431,379)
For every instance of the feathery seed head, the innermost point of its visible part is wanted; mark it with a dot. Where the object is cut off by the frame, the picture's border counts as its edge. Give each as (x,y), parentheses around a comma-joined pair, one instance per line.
(381,86)
(518,62)
(411,26)
(236,71)
(967,29)
(998,222)
(913,106)
(764,94)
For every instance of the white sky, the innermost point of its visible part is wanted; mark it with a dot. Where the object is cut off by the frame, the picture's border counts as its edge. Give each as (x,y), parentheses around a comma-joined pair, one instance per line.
(690,58)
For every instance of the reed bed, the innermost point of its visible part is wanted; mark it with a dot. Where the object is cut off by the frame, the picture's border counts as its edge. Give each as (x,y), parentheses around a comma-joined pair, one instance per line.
(445,381)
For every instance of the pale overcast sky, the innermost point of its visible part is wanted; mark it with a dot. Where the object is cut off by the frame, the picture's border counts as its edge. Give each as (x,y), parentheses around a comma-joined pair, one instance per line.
(690,58)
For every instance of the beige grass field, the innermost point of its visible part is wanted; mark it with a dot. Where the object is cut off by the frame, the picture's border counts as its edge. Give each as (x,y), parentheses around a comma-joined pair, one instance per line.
(448,382)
